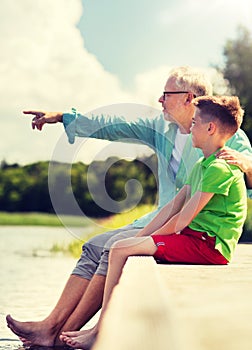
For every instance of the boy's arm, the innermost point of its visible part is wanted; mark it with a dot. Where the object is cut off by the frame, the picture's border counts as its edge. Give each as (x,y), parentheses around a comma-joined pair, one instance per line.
(186,215)
(167,212)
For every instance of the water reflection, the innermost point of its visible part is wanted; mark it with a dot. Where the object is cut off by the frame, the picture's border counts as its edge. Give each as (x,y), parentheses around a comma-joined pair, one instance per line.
(31,278)
(8,344)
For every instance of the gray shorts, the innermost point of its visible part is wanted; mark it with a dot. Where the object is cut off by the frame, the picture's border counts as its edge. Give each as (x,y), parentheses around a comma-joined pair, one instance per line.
(94,257)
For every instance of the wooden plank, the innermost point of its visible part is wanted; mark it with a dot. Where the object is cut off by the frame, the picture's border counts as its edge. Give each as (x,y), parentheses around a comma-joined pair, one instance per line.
(139,315)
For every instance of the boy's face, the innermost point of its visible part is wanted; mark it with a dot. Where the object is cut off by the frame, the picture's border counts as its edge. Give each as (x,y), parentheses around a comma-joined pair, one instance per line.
(199,130)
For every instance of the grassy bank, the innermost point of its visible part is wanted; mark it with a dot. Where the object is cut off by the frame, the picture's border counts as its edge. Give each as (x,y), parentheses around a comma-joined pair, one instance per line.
(74,248)
(119,220)
(113,222)
(40,219)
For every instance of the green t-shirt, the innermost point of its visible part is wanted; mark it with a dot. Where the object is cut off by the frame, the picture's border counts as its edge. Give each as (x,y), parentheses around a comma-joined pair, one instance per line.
(225,213)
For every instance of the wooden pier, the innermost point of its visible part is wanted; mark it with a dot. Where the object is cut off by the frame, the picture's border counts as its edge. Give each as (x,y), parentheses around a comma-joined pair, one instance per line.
(181,307)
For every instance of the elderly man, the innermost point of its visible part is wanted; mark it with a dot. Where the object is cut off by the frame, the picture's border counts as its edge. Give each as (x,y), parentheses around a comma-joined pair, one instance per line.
(169,137)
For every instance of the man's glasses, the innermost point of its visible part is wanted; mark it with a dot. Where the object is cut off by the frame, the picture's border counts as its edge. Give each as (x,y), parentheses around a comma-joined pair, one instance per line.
(174,92)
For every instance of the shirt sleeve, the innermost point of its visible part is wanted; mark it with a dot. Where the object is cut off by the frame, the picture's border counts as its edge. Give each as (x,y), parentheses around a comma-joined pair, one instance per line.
(110,128)
(240,142)
(217,179)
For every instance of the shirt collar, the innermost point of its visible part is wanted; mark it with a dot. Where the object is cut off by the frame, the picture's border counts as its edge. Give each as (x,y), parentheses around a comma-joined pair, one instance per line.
(210,159)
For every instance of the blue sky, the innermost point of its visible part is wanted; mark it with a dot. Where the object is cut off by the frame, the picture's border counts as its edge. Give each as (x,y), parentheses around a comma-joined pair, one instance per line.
(132,36)
(88,54)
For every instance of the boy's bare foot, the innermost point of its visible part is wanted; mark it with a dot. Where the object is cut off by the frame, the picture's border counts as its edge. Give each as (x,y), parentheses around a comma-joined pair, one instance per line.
(32,333)
(80,339)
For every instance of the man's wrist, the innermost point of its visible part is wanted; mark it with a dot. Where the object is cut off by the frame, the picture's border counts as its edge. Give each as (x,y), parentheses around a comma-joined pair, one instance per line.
(59,117)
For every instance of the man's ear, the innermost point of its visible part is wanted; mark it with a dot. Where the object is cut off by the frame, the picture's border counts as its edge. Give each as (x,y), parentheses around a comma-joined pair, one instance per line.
(190,97)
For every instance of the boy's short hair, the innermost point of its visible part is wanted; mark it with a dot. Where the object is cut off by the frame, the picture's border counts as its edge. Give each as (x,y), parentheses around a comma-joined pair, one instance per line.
(224,109)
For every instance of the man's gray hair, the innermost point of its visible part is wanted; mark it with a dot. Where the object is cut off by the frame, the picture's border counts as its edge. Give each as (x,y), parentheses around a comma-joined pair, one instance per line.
(191,79)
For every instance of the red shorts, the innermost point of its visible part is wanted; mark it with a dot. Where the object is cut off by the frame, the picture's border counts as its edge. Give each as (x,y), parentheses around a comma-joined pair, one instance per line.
(191,247)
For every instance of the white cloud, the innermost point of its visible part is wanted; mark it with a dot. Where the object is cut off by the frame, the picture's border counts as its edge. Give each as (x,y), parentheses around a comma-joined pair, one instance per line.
(44,65)
(150,85)
(226,13)
(44,59)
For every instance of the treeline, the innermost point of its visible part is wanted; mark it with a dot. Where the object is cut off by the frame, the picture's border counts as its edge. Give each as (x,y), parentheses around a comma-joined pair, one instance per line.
(101,189)
(98,190)
(237,70)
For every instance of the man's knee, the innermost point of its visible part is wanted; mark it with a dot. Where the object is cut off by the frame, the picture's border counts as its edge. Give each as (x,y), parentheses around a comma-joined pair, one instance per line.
(94,257)
(90,257)
(103,265)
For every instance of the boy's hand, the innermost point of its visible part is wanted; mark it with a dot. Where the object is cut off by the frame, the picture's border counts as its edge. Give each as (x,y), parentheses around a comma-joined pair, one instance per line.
(41,117)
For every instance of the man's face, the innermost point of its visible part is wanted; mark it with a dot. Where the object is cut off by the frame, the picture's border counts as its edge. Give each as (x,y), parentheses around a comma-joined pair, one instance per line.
(173,104)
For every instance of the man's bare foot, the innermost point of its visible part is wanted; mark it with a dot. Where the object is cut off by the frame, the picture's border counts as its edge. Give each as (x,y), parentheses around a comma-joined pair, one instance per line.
(83,339)
(32,333)
(25,342)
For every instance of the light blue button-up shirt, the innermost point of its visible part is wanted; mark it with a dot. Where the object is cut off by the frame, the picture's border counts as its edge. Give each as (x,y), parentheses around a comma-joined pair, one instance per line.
(159,135)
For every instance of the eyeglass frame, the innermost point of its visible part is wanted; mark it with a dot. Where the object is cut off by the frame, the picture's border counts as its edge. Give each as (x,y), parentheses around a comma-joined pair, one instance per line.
(175,92)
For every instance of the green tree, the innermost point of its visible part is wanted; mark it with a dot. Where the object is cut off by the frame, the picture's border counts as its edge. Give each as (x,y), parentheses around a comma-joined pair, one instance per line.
(25,189)
(238,71)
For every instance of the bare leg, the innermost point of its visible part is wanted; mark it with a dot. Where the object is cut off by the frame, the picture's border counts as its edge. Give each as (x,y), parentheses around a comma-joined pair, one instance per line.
(119,253)
(44,332)
(75,307)
(89,304)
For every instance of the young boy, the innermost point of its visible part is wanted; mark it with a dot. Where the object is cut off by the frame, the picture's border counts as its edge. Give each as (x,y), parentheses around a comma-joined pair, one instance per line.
(203,223)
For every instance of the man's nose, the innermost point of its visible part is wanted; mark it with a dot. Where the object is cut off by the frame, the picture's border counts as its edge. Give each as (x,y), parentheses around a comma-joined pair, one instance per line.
(161,99)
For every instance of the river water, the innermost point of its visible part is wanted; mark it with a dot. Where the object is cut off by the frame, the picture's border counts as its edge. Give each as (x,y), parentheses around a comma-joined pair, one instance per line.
(31,278)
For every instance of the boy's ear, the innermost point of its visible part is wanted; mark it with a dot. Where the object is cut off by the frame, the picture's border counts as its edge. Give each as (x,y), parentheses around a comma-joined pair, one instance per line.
(211,128)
